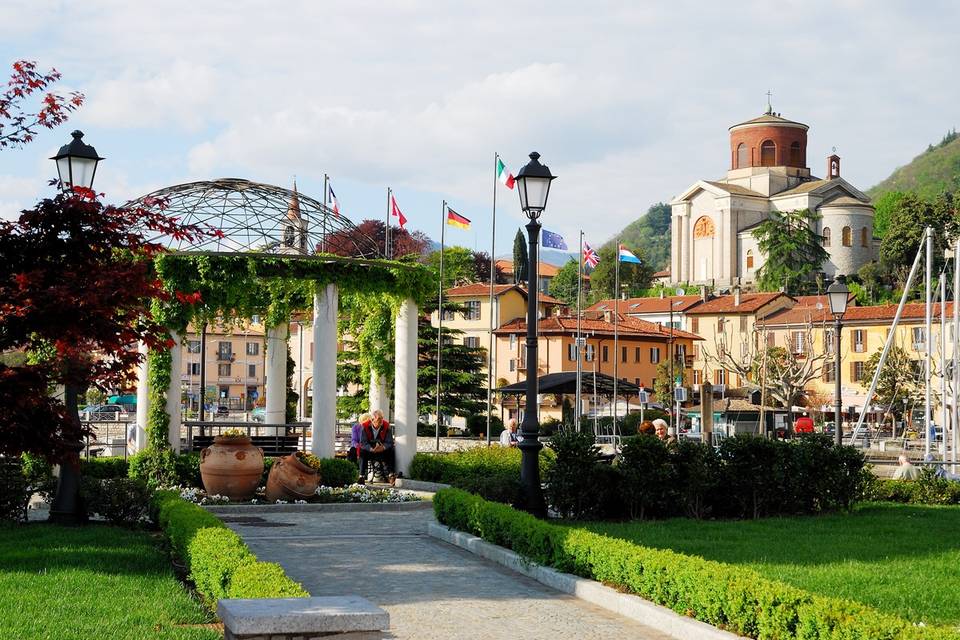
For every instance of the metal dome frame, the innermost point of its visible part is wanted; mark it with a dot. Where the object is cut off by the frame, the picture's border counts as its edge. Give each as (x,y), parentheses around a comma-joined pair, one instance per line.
(258,219)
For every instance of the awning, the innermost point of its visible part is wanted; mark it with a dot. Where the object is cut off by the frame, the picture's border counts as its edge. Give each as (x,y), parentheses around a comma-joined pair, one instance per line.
(565,382)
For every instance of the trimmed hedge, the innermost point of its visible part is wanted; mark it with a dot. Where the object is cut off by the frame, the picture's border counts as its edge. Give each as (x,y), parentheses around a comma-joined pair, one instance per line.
(493,472)
(218,562)
(732,598)
(927,489)
(105,468)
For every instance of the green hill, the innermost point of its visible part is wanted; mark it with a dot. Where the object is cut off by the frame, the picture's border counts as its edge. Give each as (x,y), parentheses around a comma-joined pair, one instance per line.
(935,170)
(650,233)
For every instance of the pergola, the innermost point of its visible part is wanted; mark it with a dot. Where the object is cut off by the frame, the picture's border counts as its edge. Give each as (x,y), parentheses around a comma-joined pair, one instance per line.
(278,251)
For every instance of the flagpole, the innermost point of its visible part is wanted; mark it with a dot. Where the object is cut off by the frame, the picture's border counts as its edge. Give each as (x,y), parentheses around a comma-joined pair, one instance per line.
(579,349)
(326,187)
(386,229)
(443,229)
(493,269)
(616,340)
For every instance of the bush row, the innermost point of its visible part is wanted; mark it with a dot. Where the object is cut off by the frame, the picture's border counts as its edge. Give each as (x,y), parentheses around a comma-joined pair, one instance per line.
(927,489)
(218,562)
(746,477)
(732,598)
(493,472)
(334,472)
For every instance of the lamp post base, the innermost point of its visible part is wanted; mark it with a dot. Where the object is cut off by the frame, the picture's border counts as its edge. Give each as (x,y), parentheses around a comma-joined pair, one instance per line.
(531,492)
(67,506)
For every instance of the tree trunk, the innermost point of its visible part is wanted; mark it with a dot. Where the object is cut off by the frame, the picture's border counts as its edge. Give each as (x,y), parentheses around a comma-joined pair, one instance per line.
(67,506)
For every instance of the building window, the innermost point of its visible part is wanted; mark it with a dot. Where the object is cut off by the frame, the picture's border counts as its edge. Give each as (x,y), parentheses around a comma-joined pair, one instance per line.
(448,314)
(720,377)
(193,346)
(636,354)
(513,364)
(720,323)
(654,355)
(253,348)
(863,237)
(223,369)
(589,354)
(856,371)
(798,342)
(696,377)
(744,320)
(695,324)
(795,154)
(473,342)
(251,371)
(224,350)
(749,259)
(828,372)
(919,338)
(743,156)
(681,351)
(826,236)
(847,237)
(472,310)
(828,341)
(623,354)
(859,341)
(606,355)
(513,341)
(768,154)
(572,352)
(193,368)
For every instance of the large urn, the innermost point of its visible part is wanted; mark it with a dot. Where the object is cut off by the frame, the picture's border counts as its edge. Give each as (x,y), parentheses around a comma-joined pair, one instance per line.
(231,467)
(291,479)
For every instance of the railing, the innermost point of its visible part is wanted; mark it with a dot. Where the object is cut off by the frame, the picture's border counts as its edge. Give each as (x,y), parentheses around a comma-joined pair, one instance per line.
(109,438)
(274,439)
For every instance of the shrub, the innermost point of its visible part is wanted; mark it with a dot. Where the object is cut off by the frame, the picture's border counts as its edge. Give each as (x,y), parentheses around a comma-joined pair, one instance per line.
(477,425)
(187,468)
(104,468)
(218,561)
(697,469)
(14,490)
(36,469)
(156,467)
(572,486)
(494,471)
(736,599)
(121,501)
(550,426)
(749,474)
(648,476)
(927,489)
(337,472)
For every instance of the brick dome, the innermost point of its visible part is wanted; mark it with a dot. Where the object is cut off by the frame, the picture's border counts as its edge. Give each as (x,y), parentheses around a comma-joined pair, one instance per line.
(768,141)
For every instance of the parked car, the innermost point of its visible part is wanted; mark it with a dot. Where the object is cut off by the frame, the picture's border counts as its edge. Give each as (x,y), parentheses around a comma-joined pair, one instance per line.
(103,412)
(223,410)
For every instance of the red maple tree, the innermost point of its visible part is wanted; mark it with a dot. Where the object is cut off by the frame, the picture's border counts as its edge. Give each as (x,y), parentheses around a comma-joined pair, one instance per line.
(76,288)
(352,242)
(18,124)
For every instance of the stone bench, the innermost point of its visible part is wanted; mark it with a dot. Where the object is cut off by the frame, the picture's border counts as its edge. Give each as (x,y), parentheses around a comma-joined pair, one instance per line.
(329,618)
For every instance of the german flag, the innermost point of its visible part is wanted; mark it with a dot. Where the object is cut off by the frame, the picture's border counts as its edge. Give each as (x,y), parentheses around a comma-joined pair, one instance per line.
(454,219)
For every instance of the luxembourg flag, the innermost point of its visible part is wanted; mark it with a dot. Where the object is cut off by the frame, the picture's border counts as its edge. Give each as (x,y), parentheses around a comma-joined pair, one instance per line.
(627,256)
(334,201)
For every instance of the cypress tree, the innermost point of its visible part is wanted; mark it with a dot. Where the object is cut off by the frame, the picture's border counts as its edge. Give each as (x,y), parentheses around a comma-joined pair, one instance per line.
(520,259)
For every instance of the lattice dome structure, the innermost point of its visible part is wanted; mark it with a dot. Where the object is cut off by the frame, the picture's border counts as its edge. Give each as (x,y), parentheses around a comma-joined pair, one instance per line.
(257,218)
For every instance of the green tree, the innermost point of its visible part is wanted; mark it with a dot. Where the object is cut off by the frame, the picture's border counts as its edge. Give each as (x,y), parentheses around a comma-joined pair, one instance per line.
(663,385)
(895,382)
(634,278)
(793,250)
(293,397)
(463,388)
(564,284)
(907,224)
(884,207)
(521,261)
(459,266)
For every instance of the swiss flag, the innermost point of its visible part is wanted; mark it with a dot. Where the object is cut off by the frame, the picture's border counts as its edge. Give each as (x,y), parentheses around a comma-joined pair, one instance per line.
(396,213)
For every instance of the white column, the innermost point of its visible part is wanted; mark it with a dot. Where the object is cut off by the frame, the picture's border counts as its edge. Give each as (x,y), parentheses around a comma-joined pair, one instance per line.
(276,371)
(173,391)
(379,395)
(405,385)
(324,420)
(143,401)
(686,240)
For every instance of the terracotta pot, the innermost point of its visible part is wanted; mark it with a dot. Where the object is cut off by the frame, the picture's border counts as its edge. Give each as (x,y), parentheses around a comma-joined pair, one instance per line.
(291,479)
(231,467)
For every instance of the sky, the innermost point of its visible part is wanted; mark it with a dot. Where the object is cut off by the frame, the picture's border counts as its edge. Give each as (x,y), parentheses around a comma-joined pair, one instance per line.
(628,103)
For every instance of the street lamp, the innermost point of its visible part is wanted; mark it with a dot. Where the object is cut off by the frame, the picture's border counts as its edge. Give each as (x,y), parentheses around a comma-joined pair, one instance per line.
(533,185)
(837,293)
(77,163)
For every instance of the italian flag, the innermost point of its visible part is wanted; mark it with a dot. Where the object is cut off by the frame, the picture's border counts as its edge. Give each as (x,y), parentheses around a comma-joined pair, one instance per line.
(503,175)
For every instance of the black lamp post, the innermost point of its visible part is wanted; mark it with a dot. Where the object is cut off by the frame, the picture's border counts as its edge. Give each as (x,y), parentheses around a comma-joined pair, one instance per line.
(837,293)
(77,163)
(533,185)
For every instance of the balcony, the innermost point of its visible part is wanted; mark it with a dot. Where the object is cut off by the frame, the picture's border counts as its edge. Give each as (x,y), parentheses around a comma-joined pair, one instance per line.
(225,356)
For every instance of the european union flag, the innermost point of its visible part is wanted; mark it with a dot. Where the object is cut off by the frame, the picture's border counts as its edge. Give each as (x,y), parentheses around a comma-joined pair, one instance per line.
(553,240)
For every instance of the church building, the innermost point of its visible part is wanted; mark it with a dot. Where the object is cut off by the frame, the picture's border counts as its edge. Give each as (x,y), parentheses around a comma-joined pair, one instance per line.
(712,238)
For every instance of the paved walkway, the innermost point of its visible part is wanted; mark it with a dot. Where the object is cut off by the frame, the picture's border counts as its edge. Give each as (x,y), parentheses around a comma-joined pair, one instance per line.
(431,589)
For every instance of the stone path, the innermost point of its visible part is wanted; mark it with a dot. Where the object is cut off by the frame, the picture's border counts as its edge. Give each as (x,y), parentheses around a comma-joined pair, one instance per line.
(431,589)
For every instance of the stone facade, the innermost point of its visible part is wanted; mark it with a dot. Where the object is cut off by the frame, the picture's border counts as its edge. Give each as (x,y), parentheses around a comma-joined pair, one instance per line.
(712,239)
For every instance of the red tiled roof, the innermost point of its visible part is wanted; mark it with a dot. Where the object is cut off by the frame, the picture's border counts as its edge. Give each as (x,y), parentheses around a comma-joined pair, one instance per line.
(749,303)
(568,325)
(664,273)
(545,269)
(483,289)
(647,305)
(822,300)
(914,311)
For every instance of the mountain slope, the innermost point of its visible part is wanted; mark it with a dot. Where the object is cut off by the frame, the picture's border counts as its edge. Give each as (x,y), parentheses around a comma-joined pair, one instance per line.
(650,233)
(935,170)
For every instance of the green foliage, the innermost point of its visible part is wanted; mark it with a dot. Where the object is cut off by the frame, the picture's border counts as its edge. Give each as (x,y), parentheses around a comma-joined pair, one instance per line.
(336,472)
(650,233)
(156,467)
(491,471)
(477,425)
(697,466)
(564,284)
(459,266)
(216,556)
(577,482)
(932,172)
(884,208)
(634,278)
(895,383)
(293,397)
(463,388)
(648,476)
(121,501)
(663,384)
(736,599)
(158,380)
(927,489)
(793,250)
(104,468)
(14,490)
(908,221)
(521,261)
(36,469)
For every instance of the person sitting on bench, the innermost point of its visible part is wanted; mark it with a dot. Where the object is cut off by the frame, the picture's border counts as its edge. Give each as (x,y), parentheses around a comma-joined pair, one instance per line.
(356,434)
(376,443)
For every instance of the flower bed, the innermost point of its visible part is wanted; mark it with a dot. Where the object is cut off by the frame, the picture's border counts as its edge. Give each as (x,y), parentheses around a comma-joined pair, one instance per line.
(324,495)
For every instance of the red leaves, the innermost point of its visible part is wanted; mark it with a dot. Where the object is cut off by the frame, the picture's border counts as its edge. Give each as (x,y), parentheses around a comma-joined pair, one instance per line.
(189,298)
(21,125)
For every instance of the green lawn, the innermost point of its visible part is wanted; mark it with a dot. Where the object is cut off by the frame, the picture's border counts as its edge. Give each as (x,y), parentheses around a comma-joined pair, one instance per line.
(92,582)
(901,559)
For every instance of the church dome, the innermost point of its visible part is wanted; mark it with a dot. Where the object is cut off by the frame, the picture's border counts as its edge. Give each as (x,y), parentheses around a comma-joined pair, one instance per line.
(768,141)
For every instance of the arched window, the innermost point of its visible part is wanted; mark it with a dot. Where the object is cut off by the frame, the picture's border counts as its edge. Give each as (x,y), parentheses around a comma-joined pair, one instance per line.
(749,259)
(864,240)
(847,237)
(743,156)
(826,236)
(795,154)
(768,153)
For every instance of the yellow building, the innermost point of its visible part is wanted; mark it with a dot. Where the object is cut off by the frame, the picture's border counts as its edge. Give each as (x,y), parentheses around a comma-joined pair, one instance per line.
(808,330)
(235,366)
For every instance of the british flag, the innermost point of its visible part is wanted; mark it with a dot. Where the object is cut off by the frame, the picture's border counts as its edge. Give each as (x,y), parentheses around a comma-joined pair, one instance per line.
(590,257)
